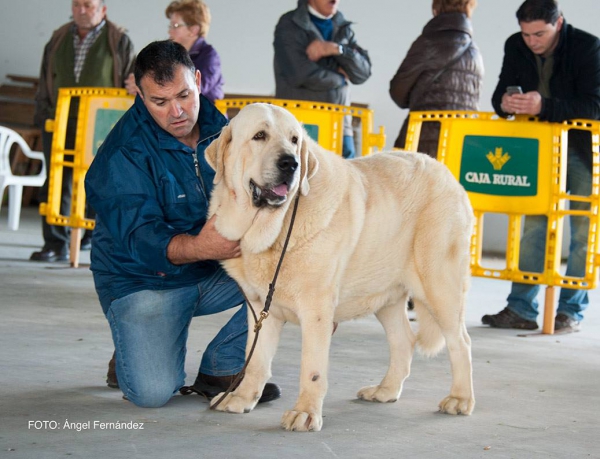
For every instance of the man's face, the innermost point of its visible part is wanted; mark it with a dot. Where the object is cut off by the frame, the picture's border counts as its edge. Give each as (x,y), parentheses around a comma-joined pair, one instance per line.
(87,14)
(541,37)
(175,105)
(325,7)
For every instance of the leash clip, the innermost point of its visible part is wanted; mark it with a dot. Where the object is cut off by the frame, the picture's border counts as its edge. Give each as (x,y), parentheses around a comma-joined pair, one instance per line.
(258,325)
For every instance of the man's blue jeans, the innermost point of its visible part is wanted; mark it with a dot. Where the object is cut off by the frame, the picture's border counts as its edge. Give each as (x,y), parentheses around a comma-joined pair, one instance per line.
(348,150)
(150,330)
(522,299)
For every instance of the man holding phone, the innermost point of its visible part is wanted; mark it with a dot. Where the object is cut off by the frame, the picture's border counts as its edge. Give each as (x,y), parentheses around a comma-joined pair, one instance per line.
(514,90)
(557,68)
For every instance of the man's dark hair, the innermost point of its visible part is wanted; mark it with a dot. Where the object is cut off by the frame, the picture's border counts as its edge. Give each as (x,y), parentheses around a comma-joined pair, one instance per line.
(159,60)
(539,10)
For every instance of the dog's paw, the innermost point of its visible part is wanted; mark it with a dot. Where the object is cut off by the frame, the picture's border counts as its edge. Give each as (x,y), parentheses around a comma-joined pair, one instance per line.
(233,403)
(455,405)
(378,394)
(301,421)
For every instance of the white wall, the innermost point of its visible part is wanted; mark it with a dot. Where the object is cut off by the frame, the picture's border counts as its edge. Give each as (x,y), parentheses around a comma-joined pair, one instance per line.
(242,33)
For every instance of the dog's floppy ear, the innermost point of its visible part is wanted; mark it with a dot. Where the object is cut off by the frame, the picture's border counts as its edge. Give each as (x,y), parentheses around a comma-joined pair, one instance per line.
(215,153)
(308,163)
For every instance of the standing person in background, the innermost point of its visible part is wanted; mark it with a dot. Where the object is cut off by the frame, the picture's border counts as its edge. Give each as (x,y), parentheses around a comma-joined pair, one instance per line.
(558,69)
(317,56)
(89,51)
(443,70)
(189,21)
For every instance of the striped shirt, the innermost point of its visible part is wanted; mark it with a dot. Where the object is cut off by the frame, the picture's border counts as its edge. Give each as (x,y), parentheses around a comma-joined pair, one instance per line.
(82,46)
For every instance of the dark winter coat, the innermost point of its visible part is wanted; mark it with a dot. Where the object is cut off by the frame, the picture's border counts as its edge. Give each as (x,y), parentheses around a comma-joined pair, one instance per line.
(145,188)
(443,70)
(574,84)
(299,78)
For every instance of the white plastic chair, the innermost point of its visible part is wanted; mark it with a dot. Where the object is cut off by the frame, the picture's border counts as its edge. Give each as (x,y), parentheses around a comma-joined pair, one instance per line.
(15,183)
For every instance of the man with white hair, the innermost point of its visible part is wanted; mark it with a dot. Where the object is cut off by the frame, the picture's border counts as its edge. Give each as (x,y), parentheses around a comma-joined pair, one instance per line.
(88,51)
(317,57)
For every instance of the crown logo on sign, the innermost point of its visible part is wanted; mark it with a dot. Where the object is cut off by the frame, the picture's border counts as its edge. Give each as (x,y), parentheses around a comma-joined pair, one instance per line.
(498,159)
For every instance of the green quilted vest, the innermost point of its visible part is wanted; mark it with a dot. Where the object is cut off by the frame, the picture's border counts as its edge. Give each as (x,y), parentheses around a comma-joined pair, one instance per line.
(97,69)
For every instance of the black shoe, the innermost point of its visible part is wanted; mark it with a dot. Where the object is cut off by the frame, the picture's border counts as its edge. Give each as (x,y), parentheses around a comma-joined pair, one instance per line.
(49,255)
(508,319)
(86,243)
(111,376)
(211,386)
(565,324)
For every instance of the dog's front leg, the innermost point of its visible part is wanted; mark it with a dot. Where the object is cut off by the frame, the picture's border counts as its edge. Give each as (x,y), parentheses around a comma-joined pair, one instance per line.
(316,339)
(258,372)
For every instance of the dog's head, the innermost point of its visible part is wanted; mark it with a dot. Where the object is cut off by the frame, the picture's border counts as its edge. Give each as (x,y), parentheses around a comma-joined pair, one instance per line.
(264,154)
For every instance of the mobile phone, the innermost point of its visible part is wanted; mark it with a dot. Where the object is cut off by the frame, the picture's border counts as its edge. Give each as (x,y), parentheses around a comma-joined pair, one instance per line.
(510,90)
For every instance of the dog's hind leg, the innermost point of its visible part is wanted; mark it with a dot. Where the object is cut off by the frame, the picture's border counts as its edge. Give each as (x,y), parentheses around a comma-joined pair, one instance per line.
(461,399)
(401,340)
(446,307)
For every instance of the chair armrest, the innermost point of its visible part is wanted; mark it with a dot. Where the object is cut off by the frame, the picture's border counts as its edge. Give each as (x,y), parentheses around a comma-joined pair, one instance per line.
(34,155)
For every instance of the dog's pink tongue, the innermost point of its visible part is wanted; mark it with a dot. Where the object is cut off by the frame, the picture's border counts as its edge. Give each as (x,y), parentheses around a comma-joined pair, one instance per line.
(281,190)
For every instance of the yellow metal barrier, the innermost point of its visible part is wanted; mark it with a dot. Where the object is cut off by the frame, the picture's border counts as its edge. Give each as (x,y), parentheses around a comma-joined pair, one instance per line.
(517,167)
(98,111)
(323,122)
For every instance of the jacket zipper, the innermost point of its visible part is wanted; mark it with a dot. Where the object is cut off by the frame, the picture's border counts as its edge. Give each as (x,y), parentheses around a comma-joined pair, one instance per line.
(197,168)
(197,164)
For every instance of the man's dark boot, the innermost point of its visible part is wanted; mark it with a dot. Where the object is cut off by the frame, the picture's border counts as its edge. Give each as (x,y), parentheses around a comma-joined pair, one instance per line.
(111,376)
(508,319)
(565,324)
(211,386)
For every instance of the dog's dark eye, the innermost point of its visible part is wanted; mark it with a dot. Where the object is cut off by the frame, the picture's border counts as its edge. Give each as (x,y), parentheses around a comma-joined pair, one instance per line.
(295,140)
(260,135)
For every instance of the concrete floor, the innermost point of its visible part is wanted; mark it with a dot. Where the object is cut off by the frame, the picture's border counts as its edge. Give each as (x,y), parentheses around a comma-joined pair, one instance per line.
(537,396)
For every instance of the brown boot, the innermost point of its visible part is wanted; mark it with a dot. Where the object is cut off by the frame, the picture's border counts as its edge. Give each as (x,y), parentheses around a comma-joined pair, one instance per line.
(565,324)
(508,319)
(111,376)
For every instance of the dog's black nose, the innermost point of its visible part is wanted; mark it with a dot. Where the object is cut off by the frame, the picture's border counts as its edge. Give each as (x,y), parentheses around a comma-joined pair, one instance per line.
(287,163)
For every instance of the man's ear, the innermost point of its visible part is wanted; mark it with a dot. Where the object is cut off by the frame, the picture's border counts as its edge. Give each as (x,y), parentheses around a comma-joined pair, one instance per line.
(215,153)
(309,163)
(198,80)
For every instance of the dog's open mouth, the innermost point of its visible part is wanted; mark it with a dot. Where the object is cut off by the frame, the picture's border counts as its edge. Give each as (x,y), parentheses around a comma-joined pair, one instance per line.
(267,195)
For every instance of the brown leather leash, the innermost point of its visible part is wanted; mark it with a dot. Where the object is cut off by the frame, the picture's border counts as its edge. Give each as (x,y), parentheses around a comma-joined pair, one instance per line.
(265,312)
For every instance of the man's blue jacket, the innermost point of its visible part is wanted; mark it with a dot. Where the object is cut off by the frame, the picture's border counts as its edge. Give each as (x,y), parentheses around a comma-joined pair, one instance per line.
(144,189)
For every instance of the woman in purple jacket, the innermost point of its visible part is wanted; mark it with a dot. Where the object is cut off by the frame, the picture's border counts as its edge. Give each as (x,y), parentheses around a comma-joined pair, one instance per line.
(189,21)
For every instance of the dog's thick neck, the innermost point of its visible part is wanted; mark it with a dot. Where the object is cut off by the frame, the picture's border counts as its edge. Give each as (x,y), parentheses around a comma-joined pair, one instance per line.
(235,212)
(266,227)
(238,219)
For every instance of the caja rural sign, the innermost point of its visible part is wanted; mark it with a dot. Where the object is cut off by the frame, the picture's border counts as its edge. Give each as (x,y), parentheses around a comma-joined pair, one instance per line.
(500,166)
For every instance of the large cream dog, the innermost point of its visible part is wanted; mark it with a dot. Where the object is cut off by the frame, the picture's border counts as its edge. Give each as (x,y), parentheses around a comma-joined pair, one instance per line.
(368,232)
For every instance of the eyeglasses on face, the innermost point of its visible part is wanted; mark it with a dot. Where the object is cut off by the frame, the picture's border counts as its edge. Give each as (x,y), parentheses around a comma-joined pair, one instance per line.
(177,25)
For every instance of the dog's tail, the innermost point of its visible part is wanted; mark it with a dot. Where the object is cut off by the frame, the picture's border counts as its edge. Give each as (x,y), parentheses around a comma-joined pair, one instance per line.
(430,339)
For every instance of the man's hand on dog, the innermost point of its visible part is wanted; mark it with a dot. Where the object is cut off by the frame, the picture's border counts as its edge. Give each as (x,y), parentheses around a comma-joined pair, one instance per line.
(214,246)
(207,245)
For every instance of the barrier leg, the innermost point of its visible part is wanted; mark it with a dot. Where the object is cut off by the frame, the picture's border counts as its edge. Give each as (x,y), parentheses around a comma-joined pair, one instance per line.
(75,246)
(548,328)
